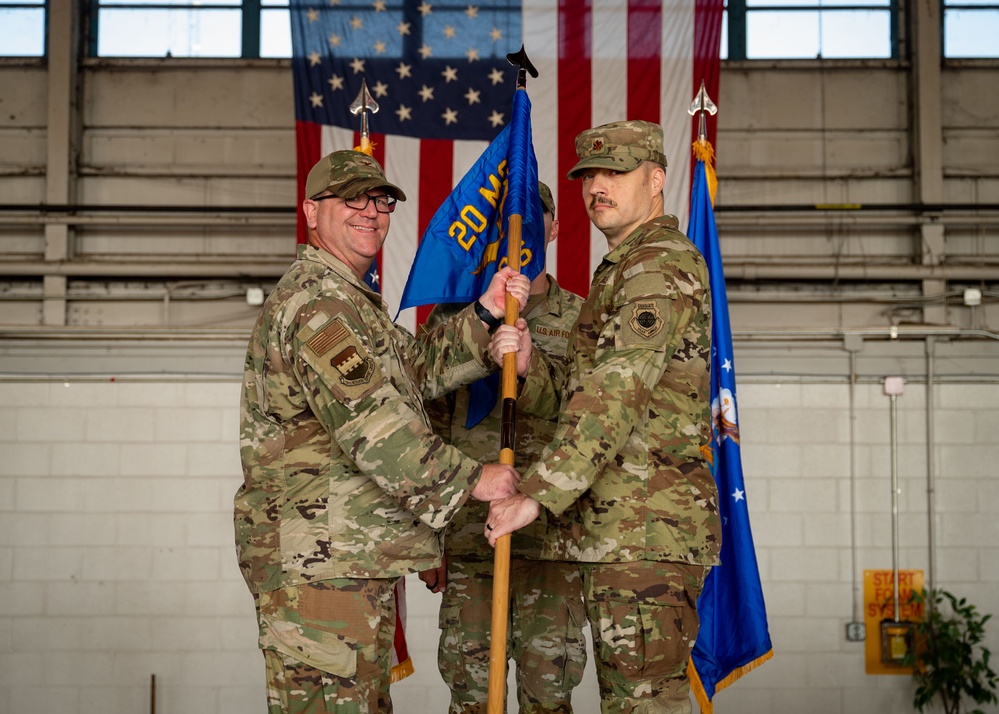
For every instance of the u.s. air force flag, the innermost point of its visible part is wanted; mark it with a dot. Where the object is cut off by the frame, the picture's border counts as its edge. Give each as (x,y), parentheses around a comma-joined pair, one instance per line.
(733,637)
(466,241)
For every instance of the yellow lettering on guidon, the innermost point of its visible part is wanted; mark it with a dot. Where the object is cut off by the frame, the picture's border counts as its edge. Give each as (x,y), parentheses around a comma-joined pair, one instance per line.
(525,257)
(457,231)
(468,213)
(492,192)
(471,217)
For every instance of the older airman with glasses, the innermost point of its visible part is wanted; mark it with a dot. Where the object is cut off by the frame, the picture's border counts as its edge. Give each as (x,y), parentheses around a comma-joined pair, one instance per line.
(345,484)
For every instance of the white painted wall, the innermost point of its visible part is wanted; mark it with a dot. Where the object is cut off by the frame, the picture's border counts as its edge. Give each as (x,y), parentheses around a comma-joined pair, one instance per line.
(117,561)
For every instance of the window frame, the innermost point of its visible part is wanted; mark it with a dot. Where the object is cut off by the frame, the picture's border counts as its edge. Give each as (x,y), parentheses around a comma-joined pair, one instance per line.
(965,6)
(736,12)
(251,17)
(44,7)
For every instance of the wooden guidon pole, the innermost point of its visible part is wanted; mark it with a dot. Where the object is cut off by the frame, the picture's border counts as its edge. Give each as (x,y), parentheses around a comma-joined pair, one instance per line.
(501,555)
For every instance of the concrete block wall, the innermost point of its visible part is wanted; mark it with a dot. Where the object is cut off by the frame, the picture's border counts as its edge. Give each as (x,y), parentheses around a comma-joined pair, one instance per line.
(117,562)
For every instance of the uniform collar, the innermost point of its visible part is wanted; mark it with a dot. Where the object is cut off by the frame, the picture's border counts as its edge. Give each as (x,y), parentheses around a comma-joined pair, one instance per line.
(628,243)
(548,302)
(554,297)
(331,262)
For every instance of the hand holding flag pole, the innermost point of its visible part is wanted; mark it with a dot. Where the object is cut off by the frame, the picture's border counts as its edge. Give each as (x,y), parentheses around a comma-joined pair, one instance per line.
(364,104)
(501,556)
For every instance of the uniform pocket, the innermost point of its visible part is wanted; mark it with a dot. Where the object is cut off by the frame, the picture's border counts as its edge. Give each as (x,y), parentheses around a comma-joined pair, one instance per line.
(575,645)
(326,651)
(643,623)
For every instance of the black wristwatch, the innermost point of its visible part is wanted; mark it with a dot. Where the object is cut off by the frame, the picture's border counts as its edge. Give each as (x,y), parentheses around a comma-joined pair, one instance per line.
(492,322)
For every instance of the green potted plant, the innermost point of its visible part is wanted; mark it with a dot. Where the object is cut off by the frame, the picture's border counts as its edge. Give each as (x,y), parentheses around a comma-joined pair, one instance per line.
(949,662)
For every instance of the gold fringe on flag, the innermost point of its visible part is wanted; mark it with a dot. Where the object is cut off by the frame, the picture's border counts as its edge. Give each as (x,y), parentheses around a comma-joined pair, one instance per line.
(402,670)
(698,687)
(368,147)
(703,151)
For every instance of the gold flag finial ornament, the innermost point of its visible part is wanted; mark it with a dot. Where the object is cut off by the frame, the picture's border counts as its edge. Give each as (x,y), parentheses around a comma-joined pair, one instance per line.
(364,104)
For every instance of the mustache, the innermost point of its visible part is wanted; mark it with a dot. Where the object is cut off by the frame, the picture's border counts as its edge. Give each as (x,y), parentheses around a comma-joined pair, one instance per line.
(600,200)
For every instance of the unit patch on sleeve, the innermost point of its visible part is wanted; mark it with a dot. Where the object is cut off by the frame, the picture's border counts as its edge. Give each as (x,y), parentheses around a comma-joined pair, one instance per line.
(644,325)
(353,368)
(337,354)
(645,319)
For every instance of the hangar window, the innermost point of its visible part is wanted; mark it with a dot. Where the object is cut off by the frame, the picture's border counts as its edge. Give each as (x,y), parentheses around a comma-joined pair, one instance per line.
(23,28)
(970,28)
(190,28)
(810,29)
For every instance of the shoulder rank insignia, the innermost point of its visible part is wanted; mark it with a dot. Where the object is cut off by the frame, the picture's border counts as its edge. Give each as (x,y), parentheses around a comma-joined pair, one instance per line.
(645,319)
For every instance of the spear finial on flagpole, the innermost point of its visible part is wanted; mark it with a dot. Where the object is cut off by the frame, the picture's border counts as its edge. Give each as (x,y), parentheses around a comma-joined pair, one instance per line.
(522,62)
(501,554)
(364,104)
(703,151)
(702,104)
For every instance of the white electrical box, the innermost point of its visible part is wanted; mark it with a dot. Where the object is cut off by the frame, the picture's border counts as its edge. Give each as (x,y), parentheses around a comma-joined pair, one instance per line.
(894,386)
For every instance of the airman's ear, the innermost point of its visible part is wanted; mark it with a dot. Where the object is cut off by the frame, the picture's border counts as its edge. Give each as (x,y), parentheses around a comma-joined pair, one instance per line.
(310,208)
(657,178)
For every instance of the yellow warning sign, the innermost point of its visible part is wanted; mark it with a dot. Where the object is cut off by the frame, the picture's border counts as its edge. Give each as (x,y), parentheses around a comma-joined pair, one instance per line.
(888,638)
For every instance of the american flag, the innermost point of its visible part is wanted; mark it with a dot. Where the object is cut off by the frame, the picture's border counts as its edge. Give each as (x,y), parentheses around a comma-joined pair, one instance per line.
(439,73)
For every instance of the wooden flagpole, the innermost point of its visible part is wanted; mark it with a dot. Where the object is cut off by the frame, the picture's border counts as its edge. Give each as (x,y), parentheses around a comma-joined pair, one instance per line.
(501,555)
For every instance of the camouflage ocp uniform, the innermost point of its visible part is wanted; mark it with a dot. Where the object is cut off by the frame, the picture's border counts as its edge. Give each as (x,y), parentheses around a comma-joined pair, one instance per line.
(627,463)
(545,637)
(346,487)
(636,412)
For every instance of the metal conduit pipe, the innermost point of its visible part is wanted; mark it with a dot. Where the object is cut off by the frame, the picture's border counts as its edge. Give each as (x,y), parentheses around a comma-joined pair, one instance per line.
(827,271)
(733,221)
(921,208)
(727,216)
(127,334)
(42,332)
(930,466)
(236,267)
(893,332)
(240,267)
(844,219)
(722,208)
(854,345)
(893,396)
(152,219)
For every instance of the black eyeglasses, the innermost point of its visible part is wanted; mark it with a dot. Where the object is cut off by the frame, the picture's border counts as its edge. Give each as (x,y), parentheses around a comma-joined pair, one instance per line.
(383,203)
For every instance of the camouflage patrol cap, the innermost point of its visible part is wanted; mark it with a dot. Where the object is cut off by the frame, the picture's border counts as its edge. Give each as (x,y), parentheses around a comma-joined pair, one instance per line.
(348,174)
(547,202)
(619,146)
